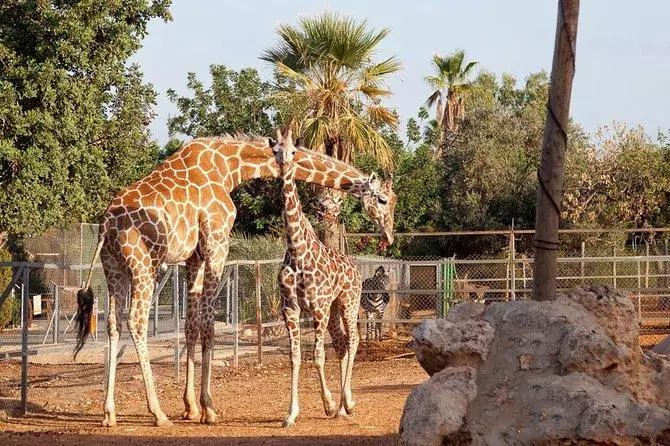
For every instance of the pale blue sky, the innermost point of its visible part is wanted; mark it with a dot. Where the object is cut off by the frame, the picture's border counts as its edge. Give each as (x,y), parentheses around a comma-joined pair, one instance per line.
(623,50)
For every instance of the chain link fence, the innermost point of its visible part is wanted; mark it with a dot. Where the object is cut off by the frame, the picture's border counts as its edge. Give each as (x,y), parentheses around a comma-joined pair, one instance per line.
(248,305)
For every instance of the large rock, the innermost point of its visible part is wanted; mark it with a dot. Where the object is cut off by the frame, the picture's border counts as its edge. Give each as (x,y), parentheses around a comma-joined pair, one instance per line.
(458,340)
(568,370)
(436,408)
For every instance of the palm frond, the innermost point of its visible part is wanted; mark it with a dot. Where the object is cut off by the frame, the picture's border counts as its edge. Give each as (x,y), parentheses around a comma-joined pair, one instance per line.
(382,115)
(436,95)
(383,68)
(468,67)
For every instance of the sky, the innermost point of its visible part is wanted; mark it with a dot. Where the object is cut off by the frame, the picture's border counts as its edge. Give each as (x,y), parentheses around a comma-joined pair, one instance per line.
(623,51)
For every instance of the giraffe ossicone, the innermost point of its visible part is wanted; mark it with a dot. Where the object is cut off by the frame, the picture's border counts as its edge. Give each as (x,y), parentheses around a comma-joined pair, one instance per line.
(183,212)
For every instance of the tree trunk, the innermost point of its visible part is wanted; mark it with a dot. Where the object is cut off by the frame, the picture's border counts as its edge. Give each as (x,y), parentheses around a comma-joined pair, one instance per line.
(329,215)
(550,175)
(330,201)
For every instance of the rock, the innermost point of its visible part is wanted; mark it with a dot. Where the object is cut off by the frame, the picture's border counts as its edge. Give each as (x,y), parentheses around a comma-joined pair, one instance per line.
(465,310)
(663,347)
(435,409)
(588,349)
(441,343)
(247,332)
(568,371)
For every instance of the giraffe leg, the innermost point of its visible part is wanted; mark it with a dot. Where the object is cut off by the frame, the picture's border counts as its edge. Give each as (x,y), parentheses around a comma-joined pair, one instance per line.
(349,319)
(138,323)
(339,338)
(117,284)
(216,253)
(292,319)
(319,361)
(194,279)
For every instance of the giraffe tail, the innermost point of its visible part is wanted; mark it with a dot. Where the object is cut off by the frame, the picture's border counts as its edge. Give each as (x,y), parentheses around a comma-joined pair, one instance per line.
(85,300)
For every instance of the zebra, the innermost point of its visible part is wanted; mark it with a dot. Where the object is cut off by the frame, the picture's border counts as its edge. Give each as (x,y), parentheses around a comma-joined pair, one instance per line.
(374,303)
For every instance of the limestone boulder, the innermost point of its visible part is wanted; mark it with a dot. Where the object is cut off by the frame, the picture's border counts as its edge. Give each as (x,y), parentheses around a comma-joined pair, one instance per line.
(436,409)
(440,343)
(567,371)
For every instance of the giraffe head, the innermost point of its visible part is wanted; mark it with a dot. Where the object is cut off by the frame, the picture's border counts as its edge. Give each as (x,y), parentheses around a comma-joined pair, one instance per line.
(377,197)
(380,206)
(284,150)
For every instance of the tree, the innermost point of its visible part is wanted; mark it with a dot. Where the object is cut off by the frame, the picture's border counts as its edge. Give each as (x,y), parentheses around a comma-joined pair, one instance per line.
(73,114)
(619,180)
(550,173)
(450,83)
(331,89)
(236,101)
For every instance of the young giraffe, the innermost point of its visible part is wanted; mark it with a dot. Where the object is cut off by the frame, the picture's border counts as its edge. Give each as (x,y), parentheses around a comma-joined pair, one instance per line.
(321,281)
(182,211)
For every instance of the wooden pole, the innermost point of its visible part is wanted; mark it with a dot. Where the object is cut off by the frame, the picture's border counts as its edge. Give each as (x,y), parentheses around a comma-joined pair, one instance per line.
(550,173)
(259,314)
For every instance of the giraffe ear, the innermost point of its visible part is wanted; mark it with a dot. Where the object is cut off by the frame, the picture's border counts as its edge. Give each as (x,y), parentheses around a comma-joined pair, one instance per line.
(279,136)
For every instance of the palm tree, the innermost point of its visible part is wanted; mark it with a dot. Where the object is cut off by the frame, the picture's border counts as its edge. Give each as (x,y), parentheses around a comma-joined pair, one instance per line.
(450,84)
(331,87)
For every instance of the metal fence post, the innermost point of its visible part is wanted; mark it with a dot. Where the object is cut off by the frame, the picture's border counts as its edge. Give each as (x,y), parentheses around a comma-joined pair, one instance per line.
(581,269)
(512,260)
(614,267)
(25,298)
(175,313)
(639,292)
(259,314)
(236,298)
(156,313)
(56,326)
(646,267)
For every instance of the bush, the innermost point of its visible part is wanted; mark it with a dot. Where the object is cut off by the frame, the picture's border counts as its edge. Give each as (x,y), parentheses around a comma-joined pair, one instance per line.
(9,307)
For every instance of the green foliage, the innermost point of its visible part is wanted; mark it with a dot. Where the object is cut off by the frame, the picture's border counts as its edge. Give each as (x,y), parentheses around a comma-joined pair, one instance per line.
(618,180)
(450,85)
(73,114)
(236,101)
(331,87)
(8,308)
(260,247)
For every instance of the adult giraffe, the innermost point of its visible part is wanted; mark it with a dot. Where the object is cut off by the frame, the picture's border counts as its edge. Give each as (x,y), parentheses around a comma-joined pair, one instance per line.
(182,212)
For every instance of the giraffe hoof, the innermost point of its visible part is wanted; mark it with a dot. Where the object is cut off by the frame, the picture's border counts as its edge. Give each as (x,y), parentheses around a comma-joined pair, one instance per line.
(162,422)
(288,423)
(190,415)
(331,410)
(350,409)
(109,421)
(208,417)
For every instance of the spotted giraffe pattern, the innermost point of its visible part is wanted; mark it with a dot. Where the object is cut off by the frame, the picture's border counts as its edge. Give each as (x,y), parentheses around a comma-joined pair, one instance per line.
(182,212)
(322,282)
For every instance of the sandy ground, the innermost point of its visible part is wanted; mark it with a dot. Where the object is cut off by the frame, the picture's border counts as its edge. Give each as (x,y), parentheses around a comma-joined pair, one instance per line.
(65,403)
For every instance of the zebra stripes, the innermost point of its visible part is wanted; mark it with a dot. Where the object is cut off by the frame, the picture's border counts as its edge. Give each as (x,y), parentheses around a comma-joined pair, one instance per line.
(374,303)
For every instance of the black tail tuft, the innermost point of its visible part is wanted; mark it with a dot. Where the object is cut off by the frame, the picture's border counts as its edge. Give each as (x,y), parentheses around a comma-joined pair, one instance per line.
(83,319)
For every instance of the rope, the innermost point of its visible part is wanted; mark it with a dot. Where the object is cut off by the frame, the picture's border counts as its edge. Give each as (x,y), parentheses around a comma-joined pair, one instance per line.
(552,245)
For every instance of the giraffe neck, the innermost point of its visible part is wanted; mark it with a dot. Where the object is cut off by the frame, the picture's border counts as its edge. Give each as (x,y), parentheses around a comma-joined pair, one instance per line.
(256,161)
(298,229)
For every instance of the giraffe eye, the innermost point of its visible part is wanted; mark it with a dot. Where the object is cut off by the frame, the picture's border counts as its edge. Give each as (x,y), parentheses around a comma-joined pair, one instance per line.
(382,200)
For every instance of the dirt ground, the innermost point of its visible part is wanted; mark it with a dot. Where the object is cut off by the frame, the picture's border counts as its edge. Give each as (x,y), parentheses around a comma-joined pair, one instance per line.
(65,403)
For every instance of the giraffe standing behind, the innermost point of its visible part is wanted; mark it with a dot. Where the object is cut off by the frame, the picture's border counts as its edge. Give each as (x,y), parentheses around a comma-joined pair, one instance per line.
(321,281)
(182,212)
